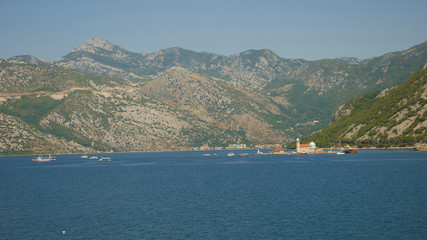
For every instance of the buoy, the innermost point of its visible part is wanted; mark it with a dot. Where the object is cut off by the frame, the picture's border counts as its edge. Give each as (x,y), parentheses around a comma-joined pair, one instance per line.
(63,232)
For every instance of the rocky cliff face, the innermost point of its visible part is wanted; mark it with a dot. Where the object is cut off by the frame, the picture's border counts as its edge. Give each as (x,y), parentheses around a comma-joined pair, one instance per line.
(218,104)
(18,137)
(174,111)
(118,118)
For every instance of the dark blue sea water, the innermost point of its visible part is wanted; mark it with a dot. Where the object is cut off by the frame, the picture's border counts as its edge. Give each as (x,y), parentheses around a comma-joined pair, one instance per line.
(181,195)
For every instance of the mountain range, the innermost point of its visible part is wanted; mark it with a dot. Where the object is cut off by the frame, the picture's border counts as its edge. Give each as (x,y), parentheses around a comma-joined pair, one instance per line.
(101,96)
(312,90)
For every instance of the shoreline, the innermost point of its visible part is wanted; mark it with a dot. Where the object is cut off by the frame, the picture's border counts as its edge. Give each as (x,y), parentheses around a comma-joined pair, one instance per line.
(94,153)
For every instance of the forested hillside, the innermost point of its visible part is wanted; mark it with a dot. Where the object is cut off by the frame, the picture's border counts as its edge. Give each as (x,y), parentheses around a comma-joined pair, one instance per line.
(396,116)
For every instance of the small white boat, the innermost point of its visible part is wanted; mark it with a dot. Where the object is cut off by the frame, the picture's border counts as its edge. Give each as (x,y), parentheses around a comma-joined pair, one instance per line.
(84,156)
(44,159)
(104,159)
(231,154)
(94,157)
(340,153)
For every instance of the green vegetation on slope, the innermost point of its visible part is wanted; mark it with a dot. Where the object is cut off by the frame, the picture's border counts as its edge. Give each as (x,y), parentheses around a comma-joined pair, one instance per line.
(392,120)
(31,109)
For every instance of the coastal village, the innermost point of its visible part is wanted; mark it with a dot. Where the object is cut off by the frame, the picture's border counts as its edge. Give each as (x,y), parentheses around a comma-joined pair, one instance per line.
(279,149)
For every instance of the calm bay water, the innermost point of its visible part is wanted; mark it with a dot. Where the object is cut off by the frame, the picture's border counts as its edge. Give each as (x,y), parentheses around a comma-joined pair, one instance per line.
(374,194)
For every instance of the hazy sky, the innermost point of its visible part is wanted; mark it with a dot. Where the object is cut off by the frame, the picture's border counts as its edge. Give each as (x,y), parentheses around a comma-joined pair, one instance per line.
(292,29)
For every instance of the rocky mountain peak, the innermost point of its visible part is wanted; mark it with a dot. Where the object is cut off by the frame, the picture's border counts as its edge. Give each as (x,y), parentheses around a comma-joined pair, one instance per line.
(262,55)
(263,52)
(96,43)
(30,60)
(94,47)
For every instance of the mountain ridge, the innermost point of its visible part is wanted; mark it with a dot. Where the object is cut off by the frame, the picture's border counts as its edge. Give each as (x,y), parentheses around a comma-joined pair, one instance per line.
(255,69)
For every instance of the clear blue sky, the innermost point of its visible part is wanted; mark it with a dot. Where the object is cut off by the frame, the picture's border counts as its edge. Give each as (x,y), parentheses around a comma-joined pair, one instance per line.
(292,29)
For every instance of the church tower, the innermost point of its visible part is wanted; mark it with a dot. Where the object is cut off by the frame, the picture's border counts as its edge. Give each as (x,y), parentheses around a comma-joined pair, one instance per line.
(298,146)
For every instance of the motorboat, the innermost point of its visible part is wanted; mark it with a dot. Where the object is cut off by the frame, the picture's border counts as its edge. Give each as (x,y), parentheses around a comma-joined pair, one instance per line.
(105,159)
(350,150)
